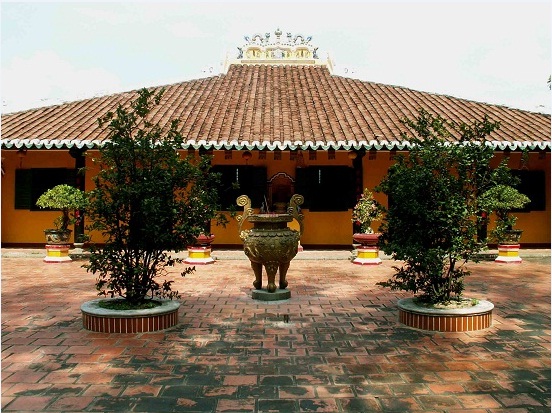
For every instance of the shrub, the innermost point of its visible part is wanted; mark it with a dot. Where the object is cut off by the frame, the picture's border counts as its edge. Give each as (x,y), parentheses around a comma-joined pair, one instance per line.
(434,212)
(148,202)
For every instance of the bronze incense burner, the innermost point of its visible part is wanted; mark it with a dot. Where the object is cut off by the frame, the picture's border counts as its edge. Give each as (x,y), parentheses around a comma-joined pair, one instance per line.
(270,243)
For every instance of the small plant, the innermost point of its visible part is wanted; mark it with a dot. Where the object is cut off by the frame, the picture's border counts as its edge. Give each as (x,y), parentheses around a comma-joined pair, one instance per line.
(365,211)
(66,198)
(501,200)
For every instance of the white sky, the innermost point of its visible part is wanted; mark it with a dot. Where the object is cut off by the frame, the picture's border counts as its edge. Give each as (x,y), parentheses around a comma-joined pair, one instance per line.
(496,52)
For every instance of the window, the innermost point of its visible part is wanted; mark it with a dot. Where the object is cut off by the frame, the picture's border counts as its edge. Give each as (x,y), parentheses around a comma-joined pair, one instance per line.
(241,180)
(31,183)
(532,184)
(326,188)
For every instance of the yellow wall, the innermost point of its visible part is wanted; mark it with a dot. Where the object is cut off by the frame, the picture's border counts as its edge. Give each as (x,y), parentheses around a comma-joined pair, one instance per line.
(321,228)
(19,225)
(535,224)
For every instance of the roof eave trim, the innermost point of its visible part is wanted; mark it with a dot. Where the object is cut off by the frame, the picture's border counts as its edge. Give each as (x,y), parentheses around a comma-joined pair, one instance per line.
(235,144)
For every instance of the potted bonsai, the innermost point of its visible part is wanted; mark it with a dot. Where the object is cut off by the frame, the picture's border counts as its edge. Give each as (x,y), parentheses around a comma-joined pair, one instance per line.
(365,212)
(501,200)
(148,203)
(431,223)
(68,199)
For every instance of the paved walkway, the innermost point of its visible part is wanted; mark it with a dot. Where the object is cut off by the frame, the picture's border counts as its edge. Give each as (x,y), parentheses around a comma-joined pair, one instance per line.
(341,349)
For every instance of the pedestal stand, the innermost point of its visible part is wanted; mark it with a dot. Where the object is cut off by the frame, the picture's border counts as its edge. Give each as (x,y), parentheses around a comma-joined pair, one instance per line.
(508,254)
(57,253)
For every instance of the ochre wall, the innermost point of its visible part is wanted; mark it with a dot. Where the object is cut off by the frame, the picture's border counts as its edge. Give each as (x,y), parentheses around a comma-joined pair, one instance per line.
(20,225)
(535,224)
(321,228)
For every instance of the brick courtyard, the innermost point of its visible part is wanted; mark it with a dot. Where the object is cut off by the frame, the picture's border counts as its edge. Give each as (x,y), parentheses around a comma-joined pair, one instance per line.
(340,348)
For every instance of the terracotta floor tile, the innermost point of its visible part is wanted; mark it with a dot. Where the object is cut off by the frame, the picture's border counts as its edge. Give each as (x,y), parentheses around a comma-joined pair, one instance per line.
(236,406)
(518,400)
(31,403)
(71,403)
(342,349)
(478,401)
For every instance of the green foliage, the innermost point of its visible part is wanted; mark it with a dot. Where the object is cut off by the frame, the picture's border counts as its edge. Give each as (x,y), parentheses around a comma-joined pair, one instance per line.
(366,210)
(502,199)
(433,214)
(147,202)
(65,198)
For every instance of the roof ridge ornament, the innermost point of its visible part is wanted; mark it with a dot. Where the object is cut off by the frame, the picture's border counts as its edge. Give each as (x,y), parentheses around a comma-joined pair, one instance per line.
(275,49)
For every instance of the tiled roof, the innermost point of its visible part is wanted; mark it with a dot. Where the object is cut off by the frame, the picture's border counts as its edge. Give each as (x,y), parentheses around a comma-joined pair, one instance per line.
(276,107)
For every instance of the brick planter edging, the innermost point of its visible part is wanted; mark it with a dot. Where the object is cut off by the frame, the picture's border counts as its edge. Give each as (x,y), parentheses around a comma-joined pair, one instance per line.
(104,320)
(477,317)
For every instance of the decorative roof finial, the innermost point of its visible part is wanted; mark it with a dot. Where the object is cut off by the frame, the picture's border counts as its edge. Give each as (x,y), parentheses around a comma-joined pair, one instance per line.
(272,49)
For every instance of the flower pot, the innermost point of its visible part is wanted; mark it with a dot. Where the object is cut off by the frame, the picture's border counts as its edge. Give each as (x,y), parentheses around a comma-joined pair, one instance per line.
(200,252)
(367,239)
(204,240)
(511,237)
(57,245)
(57,236)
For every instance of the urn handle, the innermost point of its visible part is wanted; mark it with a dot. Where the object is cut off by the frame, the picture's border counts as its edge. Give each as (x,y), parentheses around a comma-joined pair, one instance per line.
(294,210)
(245,202)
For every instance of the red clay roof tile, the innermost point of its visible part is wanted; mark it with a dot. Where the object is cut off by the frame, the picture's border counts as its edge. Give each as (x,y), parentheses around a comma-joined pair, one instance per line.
(276,107)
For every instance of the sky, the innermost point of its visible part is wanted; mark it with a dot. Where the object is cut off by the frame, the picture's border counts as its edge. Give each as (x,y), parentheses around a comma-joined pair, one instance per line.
(495,52)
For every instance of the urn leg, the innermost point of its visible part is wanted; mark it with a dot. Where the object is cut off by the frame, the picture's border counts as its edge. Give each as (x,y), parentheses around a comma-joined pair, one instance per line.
(284,266)
(258,271)
(271,269)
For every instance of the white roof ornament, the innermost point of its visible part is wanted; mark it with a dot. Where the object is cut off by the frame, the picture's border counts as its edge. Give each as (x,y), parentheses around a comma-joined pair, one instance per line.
(275,49)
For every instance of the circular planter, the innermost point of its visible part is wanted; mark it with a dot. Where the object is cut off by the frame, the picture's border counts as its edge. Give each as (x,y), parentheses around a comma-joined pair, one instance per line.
(476,317)
(104,320)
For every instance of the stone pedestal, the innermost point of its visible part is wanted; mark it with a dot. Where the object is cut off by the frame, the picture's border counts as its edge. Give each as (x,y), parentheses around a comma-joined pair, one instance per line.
(78,253)
(368,250)
(56,253)
(199,256)
(264,295)
(508,254)
(367,255)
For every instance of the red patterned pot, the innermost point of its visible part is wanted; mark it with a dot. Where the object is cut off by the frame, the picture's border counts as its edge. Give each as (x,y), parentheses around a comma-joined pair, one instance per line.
(367,239)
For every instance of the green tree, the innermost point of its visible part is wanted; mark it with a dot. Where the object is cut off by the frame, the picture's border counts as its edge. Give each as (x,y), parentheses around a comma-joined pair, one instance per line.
(148,201)
(433,215)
